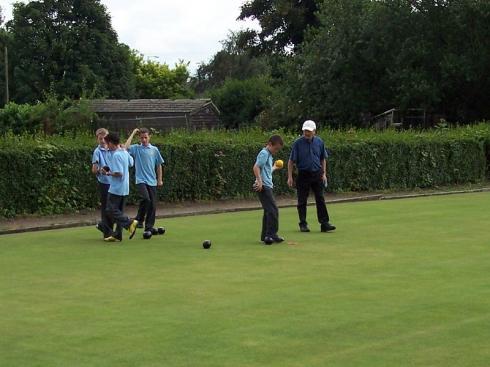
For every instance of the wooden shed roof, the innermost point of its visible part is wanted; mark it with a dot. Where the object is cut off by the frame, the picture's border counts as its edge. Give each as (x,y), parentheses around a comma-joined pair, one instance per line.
(150,105)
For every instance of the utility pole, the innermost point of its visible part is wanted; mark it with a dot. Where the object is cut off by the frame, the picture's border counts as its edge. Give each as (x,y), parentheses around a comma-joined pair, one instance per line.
(7,96)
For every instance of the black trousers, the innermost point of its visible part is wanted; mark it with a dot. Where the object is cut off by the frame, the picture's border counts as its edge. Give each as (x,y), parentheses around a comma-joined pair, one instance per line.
(305,182)
(270,220)
(148,205)
(104,217)
(115,212)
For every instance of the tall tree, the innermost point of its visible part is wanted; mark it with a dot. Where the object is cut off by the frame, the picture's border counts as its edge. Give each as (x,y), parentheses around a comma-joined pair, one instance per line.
(67,47)
(232,62)
(367,56)
(283,22)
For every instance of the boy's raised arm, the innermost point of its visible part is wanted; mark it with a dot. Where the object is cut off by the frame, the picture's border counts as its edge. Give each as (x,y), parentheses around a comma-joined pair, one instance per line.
(130,139)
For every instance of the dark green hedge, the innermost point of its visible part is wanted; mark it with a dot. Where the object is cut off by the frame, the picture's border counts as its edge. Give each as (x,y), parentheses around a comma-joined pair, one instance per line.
(52,175)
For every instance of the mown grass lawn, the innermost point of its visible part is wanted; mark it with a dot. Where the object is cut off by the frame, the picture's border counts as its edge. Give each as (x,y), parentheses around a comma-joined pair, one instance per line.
(401,283)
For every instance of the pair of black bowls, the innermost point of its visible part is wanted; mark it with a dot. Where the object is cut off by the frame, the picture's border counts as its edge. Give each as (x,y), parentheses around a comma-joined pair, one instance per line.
(153,232)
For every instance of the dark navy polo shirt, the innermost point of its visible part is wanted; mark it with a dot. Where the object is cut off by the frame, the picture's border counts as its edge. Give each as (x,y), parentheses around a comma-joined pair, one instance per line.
(308,154)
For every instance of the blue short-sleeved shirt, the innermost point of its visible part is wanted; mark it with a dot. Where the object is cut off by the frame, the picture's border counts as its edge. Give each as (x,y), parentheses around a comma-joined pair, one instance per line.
(264,162)
(146,160)
(308,154)
(119,161)
(99,157)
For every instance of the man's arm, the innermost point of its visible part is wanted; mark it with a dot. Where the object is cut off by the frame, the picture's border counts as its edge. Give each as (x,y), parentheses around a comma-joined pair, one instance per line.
(130,139)
(323,162)
(160,175)
(290,173)
(293,158)
(324,168)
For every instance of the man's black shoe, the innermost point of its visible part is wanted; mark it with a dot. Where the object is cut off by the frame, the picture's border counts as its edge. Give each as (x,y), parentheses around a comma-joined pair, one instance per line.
(278,239)
(304,228)
(268,241)
(327,227)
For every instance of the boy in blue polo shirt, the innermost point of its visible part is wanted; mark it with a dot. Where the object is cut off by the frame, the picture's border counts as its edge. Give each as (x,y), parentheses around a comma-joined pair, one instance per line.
(149,175)
(119,162)
(263,170)
(99,161)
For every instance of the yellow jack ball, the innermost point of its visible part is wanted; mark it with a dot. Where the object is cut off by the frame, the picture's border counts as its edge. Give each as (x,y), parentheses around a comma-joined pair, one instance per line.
(279,163)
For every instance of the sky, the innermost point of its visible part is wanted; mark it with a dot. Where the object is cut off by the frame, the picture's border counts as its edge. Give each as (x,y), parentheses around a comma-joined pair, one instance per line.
(171,30)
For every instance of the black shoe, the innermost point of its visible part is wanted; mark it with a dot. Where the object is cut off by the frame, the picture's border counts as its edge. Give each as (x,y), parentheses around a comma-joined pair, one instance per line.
(327,227)
(277,239)
(304,228)
(268,240)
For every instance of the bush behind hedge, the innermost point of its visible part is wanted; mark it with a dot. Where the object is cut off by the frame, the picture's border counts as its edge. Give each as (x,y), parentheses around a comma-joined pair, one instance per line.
(49,175)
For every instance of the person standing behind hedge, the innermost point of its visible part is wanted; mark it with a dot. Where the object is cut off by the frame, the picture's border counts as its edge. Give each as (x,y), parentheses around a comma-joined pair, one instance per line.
(149,175)
(119,162)
(308,154)
(99,161)
(263,169)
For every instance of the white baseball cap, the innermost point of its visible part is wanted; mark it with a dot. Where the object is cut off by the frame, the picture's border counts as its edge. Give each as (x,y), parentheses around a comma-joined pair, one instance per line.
(309,125)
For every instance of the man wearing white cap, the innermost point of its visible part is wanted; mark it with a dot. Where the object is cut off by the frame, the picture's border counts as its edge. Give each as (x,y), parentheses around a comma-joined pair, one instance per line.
(309,156)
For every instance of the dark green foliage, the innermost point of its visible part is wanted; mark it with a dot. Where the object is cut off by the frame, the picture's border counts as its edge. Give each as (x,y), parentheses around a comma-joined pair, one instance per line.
(241,101)
(50,117)
(283,22)
(231,62)
(45,179)
(366,57)
(52,174)
(66,47)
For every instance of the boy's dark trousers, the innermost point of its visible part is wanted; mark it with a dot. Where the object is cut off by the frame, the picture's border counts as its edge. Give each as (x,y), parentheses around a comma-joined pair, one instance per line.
(115,212)
(104,217)
(270,220)
(304,182)
(148,205)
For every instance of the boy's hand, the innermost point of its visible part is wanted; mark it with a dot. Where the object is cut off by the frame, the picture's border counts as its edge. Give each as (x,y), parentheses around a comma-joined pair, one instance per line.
(276,167)
(258,186)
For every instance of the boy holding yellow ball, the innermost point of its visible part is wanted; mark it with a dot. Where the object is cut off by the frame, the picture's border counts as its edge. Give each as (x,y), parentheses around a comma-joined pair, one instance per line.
(263,169)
